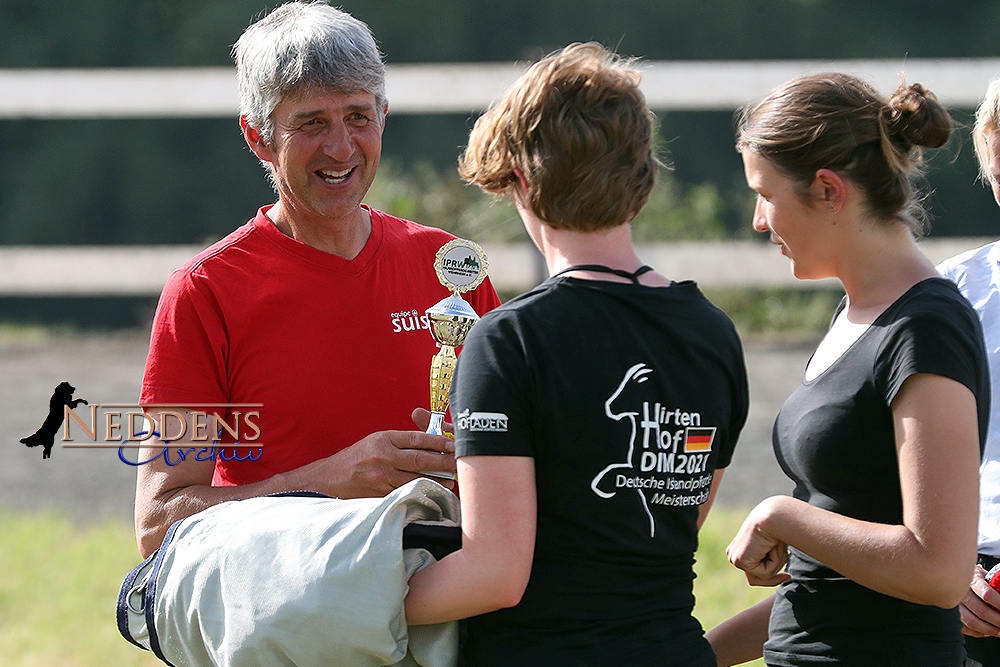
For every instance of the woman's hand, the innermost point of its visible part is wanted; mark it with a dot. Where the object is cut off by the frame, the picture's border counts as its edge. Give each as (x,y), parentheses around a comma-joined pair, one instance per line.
(760,555)
(980,608)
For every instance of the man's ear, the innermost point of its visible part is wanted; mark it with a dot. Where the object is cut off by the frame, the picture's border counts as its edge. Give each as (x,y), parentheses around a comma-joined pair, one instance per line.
(830,189)
(255,141)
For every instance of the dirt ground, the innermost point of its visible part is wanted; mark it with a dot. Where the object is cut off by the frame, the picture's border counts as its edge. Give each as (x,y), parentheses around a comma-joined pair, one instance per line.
(93,483)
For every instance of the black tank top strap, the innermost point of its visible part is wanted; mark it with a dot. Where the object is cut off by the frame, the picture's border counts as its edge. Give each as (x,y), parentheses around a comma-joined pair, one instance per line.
(600,268)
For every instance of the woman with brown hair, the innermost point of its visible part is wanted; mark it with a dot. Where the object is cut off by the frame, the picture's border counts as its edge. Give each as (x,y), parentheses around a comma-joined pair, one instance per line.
(882,437)
(593,414)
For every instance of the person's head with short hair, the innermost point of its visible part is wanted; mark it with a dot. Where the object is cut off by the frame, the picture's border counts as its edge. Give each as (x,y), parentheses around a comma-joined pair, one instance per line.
(576,128)
(301,47)
(839,122)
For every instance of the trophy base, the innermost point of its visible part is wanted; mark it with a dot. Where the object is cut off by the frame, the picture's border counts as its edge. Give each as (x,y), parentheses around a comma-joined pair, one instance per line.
(436,424)
(434,428)
(440,475)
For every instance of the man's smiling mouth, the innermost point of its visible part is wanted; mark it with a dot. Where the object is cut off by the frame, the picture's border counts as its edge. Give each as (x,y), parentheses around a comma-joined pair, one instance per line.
(335,176)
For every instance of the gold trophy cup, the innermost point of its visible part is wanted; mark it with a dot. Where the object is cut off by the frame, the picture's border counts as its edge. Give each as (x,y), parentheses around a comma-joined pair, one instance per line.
(461,266)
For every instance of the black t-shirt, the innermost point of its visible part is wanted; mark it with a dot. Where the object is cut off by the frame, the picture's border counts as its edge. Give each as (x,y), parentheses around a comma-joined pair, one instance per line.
(834,438)
(628,398)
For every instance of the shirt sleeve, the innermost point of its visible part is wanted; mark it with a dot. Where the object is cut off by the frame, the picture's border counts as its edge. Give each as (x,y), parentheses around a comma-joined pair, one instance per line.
(944,338)
(491,393)
(188,346)
(484,298)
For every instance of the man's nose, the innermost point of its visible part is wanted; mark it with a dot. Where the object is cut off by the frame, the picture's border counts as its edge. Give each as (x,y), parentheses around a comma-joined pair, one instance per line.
(338,142)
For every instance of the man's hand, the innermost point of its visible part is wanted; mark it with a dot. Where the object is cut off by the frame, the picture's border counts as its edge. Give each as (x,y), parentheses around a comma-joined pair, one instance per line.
(372,467)
(980,608)
(380,463)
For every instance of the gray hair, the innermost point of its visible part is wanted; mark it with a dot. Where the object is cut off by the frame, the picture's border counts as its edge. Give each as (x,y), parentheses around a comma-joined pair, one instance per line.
(303,46)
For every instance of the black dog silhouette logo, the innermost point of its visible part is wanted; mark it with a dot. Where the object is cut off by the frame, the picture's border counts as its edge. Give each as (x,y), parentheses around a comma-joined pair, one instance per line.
(45,436)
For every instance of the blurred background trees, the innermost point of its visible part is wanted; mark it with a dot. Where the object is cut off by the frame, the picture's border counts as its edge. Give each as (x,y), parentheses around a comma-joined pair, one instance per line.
(142,181)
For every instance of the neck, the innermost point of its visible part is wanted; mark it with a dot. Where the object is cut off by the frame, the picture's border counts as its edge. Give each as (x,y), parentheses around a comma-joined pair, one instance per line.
(563,248)
(880,267)
(344,237)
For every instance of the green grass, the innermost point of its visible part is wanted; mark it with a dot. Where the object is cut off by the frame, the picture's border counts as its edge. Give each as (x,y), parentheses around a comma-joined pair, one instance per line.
(721,591)
(58,589)
(59,585)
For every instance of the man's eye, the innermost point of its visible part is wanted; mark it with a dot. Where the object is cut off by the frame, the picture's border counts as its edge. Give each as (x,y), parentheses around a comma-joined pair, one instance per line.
(311,124)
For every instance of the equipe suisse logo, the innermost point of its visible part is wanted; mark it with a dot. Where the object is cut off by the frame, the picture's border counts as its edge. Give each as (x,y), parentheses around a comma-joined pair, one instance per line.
(409,320)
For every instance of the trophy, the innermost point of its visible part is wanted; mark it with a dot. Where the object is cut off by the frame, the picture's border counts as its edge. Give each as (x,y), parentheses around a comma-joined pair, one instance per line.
(461,266)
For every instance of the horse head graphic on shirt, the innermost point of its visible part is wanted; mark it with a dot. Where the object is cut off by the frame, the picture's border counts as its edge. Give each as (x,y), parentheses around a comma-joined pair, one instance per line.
(635,375)
(669,451)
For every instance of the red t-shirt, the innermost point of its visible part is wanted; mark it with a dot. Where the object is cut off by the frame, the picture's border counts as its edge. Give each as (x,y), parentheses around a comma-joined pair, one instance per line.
(332,349)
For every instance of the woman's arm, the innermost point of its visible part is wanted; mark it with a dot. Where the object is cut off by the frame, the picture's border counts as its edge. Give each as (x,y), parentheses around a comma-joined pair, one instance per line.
(713,491)
(741,638)
(930,558)
(491,569)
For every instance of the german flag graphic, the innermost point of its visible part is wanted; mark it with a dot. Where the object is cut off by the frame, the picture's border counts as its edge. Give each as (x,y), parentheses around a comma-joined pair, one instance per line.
(698,439)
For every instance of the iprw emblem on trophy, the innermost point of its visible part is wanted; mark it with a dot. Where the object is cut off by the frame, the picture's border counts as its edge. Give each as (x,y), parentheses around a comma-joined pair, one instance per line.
(461,266)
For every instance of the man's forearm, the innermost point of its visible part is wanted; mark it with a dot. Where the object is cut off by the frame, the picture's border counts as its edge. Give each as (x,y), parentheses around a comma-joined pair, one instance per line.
(157,512)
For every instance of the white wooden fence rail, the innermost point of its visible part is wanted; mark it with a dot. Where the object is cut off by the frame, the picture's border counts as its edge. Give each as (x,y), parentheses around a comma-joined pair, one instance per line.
(458,87)
(142,270)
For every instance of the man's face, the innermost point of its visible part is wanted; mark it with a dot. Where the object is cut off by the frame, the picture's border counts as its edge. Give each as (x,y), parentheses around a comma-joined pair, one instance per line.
(324,154)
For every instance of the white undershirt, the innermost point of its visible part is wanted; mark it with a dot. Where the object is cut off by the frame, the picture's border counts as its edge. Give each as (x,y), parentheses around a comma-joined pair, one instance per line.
(977,274)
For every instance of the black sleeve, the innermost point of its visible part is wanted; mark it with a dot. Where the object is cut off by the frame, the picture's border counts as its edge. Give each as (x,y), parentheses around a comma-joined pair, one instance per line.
(491,395)
(942,338)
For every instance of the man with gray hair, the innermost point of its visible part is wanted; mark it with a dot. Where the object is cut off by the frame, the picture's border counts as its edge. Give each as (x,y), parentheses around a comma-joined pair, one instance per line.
(311,314)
